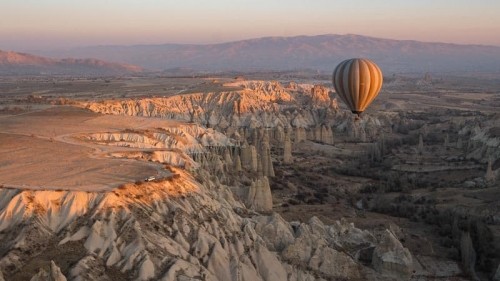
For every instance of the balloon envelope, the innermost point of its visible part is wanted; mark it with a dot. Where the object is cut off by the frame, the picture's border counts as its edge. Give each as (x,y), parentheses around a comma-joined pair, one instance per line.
(357,82)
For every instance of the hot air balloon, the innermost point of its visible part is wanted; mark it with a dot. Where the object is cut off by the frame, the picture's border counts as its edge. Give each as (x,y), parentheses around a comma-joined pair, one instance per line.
(357,82)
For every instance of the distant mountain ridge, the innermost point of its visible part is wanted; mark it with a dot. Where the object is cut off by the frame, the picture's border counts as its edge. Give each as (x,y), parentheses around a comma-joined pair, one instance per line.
(14,63)
(320,52)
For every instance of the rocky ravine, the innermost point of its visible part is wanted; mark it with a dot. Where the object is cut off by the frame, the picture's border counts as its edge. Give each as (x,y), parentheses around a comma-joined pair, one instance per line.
(199,224)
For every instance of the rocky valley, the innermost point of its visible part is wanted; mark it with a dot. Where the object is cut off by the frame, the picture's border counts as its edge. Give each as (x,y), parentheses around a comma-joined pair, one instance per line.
(223,178)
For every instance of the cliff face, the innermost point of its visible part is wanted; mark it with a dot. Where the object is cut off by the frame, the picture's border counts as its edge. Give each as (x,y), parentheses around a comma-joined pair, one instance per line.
(208,211)
(309,112)
(209,216)
(167,230)
(257,104)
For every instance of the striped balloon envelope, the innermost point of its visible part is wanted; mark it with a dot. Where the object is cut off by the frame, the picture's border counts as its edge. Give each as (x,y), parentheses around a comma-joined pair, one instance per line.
(357,82)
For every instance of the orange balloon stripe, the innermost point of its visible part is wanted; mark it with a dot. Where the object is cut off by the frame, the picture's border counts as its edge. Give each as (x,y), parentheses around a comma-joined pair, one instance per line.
(378,86)
(364,84)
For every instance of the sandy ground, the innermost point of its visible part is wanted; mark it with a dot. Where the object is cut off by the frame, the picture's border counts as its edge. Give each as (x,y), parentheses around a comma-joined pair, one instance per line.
(38,151)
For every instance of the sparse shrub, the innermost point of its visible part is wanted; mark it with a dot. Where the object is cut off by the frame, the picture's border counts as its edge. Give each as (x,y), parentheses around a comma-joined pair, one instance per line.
(301,196)
(445,230)
(370,188)
(403,198)
(452,253)
(313,201)
(323,190)
(446,242)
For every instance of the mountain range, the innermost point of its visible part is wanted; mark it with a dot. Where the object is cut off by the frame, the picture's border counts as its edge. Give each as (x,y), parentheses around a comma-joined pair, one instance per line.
(322,53)
(13,63)
(319,53)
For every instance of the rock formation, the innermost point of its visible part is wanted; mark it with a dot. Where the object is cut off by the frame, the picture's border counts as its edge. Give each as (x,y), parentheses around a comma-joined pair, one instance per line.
(259,196)
(158,230)
(352,129)
(468,255)
(496,277)
(424,130)
(279,134)
(460,143)
(391,258)
(326,135)
(237,164)
(315,133)
(362,134)
(249,157)
(287,149)
(320,95)
(420,148)
(265,155)
(480,141)
(490,176)
(315,246)
(308,109)
(54,274)
(228,160)
(300,134)
(200,222)
(240,108)
(322,134)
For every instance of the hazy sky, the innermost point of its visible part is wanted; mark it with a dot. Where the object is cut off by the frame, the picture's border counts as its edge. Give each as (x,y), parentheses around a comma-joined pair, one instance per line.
(42,24)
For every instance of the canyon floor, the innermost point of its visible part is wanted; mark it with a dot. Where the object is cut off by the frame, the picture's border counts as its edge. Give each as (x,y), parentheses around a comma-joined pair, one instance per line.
(423,162)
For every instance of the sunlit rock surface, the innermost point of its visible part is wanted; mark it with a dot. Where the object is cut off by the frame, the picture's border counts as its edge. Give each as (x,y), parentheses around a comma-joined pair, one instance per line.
(172,229)
(210,217)
(256,104)
(188,225)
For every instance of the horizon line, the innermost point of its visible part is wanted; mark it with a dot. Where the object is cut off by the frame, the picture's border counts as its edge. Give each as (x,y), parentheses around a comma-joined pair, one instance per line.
(257,38)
